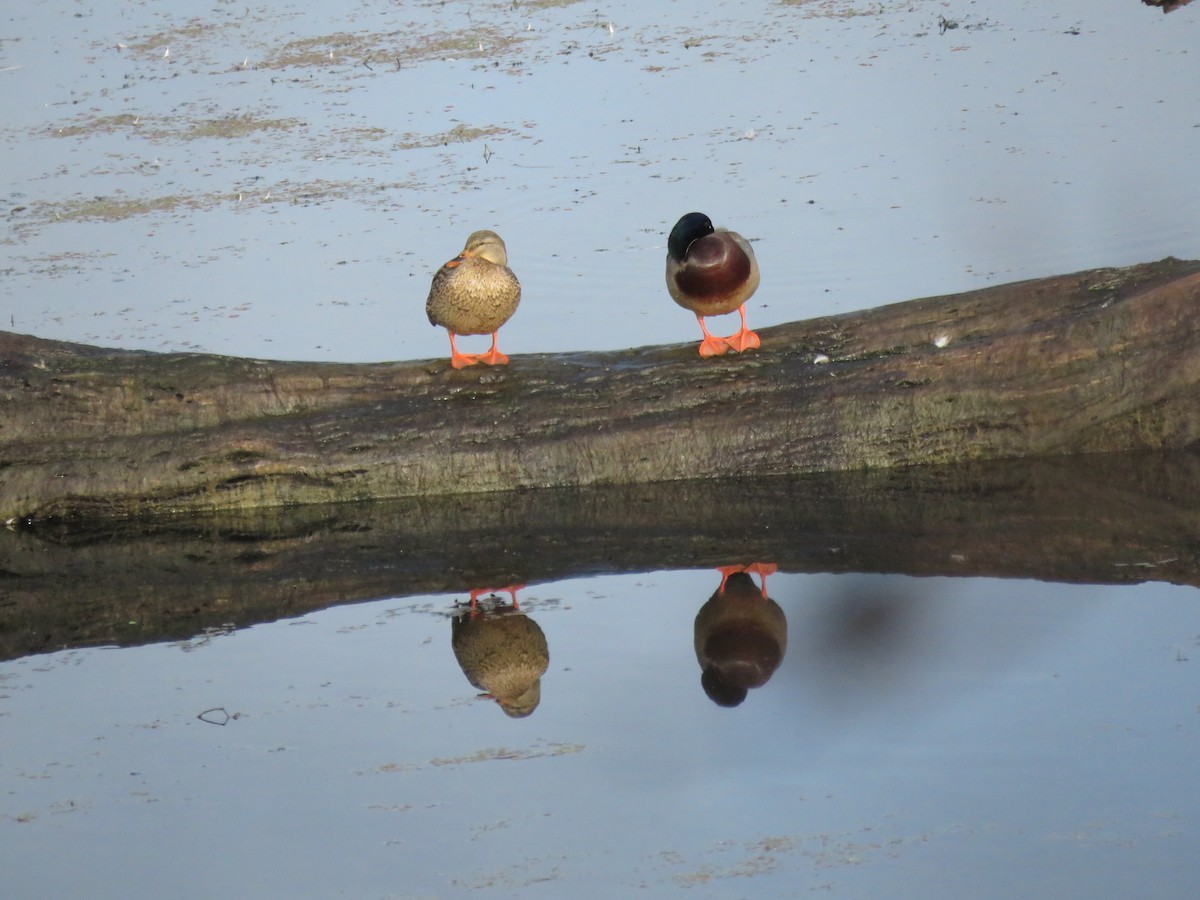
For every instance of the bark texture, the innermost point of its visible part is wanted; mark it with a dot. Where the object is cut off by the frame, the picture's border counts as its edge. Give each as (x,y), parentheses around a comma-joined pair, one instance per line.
(1104,360)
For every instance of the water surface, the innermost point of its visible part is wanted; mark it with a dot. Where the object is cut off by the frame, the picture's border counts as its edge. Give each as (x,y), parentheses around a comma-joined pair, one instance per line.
(282,181)
(922,737)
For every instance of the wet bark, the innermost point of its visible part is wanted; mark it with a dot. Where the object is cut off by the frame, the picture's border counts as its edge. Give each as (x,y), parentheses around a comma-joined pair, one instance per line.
(1104,360)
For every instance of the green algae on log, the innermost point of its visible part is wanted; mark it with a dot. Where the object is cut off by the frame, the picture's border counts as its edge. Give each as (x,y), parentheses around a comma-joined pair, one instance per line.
(1096,361)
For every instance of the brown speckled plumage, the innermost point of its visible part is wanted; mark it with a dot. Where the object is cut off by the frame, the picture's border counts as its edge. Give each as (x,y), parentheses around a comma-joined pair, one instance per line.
(504,653)
(476,292)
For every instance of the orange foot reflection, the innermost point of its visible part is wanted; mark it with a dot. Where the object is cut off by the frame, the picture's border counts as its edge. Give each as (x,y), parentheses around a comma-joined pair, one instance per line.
(761,569)
(511,590)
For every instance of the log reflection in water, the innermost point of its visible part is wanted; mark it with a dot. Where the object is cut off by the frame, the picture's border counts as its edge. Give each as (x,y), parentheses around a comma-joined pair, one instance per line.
(1110,518)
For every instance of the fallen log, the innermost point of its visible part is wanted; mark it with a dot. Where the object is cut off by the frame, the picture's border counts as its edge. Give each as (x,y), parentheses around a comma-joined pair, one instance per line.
(1098,361)
(1113,519)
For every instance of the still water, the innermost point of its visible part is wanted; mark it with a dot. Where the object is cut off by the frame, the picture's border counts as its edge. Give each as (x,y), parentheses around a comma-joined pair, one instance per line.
(921,737)
(282,180)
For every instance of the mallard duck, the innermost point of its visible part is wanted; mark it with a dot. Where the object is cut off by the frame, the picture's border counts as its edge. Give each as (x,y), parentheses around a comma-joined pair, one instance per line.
(740,635)
(475,293)
(711,272)
(502,652)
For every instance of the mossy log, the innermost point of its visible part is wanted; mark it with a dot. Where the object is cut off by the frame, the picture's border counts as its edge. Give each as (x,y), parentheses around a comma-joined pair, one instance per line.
(1103,360)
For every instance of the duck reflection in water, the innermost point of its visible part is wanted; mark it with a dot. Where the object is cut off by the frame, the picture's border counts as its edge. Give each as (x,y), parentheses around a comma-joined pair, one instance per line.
(741,635)
(501,650)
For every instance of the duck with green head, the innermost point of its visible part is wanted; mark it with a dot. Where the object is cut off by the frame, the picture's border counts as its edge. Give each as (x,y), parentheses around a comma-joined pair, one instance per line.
(475,293)
(712,271)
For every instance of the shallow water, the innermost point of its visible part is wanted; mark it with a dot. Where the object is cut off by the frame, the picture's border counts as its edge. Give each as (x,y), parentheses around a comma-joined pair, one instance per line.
(922,737)
(282,181)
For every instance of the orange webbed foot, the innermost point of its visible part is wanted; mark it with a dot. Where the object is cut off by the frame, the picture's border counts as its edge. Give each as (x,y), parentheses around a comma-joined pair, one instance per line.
(743,340)
(460,360)
(713,346)
(493,358)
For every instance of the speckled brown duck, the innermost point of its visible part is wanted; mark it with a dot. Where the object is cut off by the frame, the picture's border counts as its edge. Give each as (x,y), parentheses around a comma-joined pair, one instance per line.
(741,635)
(475,293)
(712,271)
(503,653)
